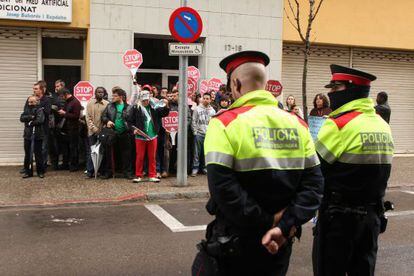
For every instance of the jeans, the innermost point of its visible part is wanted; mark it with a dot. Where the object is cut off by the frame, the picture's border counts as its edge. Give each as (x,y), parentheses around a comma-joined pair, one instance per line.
(53,144)
(45,146)
(28,156)
(118,157)
(160,151)
(198,160)
(70,149)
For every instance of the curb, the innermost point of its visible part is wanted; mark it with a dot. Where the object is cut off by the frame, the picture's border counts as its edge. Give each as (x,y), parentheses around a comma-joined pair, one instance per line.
(178,195)
(138,197)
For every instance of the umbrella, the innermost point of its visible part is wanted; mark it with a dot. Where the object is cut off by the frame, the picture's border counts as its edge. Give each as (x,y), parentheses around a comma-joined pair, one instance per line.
(96,157)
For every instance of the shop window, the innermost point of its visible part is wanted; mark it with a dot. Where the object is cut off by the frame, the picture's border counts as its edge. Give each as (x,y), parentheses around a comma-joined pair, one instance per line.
(155,54)
(62,48)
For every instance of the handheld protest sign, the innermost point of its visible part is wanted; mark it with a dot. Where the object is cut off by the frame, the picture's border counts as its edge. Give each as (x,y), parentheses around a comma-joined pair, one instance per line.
(170,124)
(192,86)
(193,73)
(274,87)
(214,84)
(83,91)
(132,60)
(203,87)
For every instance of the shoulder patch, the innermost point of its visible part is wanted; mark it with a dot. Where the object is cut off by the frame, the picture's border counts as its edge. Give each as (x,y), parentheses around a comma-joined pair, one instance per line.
(228,116)
(344,119)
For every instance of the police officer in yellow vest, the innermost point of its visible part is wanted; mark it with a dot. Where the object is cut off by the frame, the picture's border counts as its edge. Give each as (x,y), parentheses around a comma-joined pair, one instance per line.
(263,173)
(355,147)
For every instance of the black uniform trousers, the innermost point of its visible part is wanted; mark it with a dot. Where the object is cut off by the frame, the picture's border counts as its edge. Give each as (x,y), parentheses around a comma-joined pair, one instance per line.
(346,244)
(37,154)
(253,260)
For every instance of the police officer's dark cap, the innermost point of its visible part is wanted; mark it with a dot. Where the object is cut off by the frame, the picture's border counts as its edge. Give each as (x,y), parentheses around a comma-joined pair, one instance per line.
(341,74)
(229,63)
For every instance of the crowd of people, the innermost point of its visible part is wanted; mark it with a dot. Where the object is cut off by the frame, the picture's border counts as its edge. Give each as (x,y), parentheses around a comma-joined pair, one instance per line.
(59,131)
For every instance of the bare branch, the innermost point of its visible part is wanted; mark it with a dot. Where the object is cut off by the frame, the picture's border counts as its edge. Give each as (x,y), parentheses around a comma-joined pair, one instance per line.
(291,8)
(291,22)
(298,21)
(317,10)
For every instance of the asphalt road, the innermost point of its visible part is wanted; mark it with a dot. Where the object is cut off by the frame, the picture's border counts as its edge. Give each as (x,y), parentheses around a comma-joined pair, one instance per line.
(132,240)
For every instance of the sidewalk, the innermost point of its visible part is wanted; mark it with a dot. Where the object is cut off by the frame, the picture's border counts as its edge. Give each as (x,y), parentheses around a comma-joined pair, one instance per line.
(64,188)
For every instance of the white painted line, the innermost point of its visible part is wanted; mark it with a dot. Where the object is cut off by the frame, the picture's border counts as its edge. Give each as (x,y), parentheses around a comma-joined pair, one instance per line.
(409,192)
(171,222)
(400,213)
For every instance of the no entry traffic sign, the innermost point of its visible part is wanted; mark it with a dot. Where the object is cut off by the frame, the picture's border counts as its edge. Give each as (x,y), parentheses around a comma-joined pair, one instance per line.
(170,123)
(274,87)
(193,73)
(83,91)
(132,60)
(185,25)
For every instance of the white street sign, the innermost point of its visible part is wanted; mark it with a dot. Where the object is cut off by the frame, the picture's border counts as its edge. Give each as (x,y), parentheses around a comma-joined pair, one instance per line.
(190,49)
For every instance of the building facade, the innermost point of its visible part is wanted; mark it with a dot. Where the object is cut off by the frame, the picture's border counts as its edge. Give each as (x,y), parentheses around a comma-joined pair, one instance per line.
(373,36)
(228,27)
(37,41)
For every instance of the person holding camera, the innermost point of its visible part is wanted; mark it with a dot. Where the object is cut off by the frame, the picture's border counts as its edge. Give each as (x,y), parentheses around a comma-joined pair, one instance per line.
(69,125)
(33,118)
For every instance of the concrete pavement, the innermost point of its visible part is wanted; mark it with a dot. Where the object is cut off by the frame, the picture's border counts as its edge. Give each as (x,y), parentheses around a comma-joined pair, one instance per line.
(130,240)
(63,188)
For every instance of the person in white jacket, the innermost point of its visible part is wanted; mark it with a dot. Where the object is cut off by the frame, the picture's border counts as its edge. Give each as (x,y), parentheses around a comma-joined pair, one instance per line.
(201,117)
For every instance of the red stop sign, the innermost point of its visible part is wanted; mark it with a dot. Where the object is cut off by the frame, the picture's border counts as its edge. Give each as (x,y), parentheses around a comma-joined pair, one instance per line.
(170,123)
(193,73)
(83,91)
(214,84)
(274,87)
(192,86)
(132,60)
(203,87)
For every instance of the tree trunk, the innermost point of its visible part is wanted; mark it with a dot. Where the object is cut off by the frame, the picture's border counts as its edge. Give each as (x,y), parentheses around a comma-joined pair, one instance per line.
(304,80)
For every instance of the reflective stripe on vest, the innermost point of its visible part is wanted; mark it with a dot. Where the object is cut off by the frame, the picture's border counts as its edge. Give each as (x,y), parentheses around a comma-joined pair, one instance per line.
(260,163)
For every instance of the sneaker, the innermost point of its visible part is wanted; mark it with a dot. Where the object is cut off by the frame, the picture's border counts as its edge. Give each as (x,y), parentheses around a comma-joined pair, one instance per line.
(204,171)
(27,175)
(164,175)
(41,175)
(194,173)
(153,179)
(158,175)
(137,180)
(22,171)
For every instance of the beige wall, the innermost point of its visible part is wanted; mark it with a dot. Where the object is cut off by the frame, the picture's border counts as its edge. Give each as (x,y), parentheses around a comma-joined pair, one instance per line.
(80,19)
(366,23)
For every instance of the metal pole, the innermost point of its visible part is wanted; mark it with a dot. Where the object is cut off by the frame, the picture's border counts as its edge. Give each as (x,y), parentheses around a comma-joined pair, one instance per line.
(182,119)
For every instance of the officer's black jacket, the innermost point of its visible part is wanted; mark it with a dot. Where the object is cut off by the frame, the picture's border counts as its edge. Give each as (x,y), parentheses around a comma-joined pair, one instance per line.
(355,183)
(247,201)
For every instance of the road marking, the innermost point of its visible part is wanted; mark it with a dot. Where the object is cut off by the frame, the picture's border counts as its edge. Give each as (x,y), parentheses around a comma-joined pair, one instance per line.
(171,222)
(400,213)
(409,192)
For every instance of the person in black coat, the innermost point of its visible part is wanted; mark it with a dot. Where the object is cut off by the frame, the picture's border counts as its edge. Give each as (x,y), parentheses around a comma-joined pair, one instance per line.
(382,108)
(70,115)
(33,118)
(117,155)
